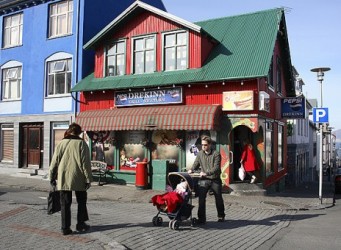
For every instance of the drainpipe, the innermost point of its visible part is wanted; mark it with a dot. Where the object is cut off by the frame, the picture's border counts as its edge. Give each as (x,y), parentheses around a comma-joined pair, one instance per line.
(76,56)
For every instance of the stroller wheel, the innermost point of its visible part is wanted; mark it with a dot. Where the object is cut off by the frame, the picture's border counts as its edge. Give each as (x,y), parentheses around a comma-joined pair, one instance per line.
(176,225)
(170,225)
(155,220)
(159,221)
(194,221)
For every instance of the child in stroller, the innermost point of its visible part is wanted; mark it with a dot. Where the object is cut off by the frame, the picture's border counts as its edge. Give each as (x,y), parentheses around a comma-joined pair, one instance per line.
(169,201)
(177,202)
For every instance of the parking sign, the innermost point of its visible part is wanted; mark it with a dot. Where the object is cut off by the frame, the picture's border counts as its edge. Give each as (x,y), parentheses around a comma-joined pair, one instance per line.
(320,115)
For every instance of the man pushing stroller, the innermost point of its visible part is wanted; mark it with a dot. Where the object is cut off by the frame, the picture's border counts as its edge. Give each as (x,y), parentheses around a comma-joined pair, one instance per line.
(209,162)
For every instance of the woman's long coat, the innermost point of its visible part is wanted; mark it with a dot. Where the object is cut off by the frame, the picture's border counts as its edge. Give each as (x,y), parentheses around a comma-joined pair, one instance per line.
(71,160)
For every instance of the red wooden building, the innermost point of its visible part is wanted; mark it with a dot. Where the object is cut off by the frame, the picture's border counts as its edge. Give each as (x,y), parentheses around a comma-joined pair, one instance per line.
(160,82)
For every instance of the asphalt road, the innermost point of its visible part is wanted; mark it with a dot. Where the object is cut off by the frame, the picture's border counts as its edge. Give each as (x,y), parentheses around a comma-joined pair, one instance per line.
(24,224)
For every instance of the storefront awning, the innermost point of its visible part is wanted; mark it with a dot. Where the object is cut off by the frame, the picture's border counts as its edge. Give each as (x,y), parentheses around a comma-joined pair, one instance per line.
(191,117)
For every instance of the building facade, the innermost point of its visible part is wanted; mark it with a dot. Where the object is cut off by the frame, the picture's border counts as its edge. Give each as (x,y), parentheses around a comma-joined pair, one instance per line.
(160,82)
(41,59)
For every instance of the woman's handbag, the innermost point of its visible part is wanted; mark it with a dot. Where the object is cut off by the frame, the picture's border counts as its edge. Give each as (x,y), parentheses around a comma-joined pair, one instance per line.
(53,201)
(241,173)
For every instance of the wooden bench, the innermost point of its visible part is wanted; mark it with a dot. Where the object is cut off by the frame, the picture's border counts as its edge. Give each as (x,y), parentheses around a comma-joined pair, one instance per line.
(100,168)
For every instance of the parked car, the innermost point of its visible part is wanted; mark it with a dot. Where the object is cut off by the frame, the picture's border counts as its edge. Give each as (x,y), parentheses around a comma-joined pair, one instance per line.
(337,181)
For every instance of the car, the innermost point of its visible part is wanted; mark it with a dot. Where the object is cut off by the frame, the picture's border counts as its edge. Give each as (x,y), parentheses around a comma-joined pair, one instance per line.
(337,181)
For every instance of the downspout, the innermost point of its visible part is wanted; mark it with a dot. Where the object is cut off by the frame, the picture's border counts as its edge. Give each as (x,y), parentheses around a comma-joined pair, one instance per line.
(76,57)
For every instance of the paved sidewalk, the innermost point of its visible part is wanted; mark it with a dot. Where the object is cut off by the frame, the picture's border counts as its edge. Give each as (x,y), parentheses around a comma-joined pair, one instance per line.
(305,197)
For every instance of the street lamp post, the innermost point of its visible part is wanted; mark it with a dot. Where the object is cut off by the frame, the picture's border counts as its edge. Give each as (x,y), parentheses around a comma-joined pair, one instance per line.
(320,74)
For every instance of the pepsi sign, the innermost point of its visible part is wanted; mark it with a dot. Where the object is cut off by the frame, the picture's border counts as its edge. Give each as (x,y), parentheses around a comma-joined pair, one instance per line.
(293,107)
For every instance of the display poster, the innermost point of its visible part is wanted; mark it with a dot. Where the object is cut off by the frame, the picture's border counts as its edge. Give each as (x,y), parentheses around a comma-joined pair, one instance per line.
(238,100)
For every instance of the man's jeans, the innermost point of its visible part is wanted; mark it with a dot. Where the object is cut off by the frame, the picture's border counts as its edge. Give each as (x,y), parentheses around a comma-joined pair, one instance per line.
(203,187)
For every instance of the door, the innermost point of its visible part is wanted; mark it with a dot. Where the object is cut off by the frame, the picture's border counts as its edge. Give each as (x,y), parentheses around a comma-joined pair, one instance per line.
(32,146)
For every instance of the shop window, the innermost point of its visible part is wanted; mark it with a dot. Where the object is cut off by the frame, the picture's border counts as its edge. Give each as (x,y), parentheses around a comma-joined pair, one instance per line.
(58,130)
(132,149)
(60,18)
(269,148)
(12,30)
(11,83)
(175,52)
(144,56)
(115,59)
(7,142)
(280,147)
(102,145)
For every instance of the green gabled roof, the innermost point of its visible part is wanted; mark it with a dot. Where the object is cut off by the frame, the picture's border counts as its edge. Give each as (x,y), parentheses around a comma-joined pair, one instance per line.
(245,50)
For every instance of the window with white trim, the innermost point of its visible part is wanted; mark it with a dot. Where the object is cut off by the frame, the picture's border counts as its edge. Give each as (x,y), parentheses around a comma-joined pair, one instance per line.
(175,52)
(7,143)
(269,148)
(60,18)
(59,77)
(144,55)
(12,30)
(115,59)
(11,83)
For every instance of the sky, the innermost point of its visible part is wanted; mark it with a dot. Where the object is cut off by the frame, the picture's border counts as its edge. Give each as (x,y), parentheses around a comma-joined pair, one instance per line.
(314,34)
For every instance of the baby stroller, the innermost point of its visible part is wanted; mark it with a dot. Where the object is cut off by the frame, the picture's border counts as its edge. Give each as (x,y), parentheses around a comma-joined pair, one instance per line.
(183,210)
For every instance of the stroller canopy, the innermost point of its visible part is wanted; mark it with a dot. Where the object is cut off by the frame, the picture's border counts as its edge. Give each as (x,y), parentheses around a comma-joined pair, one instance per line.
(174,178)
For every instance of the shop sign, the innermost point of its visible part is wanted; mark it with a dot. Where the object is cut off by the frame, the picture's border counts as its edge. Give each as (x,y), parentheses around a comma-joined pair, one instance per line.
(237,100)
(293,107)
(148,97)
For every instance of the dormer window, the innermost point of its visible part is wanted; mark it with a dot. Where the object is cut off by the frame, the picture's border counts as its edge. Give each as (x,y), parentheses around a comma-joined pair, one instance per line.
(115,59)
(144,56)
(175,50)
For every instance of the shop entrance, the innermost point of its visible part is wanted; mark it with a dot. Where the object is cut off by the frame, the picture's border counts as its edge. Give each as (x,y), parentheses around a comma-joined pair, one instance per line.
(239,134)
(31,144)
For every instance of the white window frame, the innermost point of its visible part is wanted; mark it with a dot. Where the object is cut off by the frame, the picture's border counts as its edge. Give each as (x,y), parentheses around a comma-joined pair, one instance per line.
(144,50)
(11,81)
(176,47)
(60,21)
(53,71)
(280,147)
(269,148)
(12,32)
(113,70)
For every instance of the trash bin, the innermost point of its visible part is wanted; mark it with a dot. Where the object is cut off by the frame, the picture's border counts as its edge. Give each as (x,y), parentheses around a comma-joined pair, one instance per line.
(141,181)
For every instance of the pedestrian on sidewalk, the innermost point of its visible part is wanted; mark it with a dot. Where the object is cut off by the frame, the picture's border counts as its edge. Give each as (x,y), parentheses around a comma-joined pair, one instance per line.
(248,160)
(70,170)
(209,162)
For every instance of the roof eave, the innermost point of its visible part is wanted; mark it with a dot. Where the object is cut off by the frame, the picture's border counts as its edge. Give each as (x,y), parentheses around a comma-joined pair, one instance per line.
(129,10)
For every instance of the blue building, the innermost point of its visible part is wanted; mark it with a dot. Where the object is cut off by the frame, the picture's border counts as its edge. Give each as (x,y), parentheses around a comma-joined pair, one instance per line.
(41,59)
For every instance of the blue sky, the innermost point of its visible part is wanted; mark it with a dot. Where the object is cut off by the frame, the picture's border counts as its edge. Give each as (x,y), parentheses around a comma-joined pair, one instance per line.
(314,37)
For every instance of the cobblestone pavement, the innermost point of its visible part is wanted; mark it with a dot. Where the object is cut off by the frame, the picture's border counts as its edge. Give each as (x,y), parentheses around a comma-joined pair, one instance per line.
(121,218)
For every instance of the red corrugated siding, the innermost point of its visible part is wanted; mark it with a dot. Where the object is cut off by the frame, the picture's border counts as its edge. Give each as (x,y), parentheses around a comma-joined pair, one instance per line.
(206,48)
(96,101)
(194,50)
(99,63)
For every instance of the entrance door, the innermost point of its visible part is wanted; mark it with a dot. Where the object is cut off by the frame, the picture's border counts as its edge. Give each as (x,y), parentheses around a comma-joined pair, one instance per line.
(32,146)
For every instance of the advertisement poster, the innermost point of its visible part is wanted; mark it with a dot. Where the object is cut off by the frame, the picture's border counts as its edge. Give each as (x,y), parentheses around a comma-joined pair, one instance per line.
(237,100)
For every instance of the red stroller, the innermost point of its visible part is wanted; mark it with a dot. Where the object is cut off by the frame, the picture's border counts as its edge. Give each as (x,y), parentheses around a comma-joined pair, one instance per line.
(183,210)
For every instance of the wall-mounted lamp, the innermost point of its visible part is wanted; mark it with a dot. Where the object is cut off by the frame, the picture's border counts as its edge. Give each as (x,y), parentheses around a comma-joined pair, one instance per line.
(91,92)
(206,86)
(103,91)
(223,83)
(173,85)
(129,90)
(189,85)
(242,83)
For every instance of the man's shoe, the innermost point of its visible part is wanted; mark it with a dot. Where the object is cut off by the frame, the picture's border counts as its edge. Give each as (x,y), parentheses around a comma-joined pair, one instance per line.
(83,227)
(67,231)
(221,219)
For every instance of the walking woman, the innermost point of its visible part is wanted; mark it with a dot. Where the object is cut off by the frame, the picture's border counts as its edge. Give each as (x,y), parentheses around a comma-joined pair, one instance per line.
(70,170)
(249,161)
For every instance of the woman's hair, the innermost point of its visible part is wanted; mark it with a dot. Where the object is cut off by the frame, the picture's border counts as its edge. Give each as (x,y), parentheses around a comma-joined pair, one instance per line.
(74,129)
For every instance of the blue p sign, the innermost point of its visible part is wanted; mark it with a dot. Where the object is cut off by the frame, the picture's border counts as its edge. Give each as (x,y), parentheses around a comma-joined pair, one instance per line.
(320,115)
